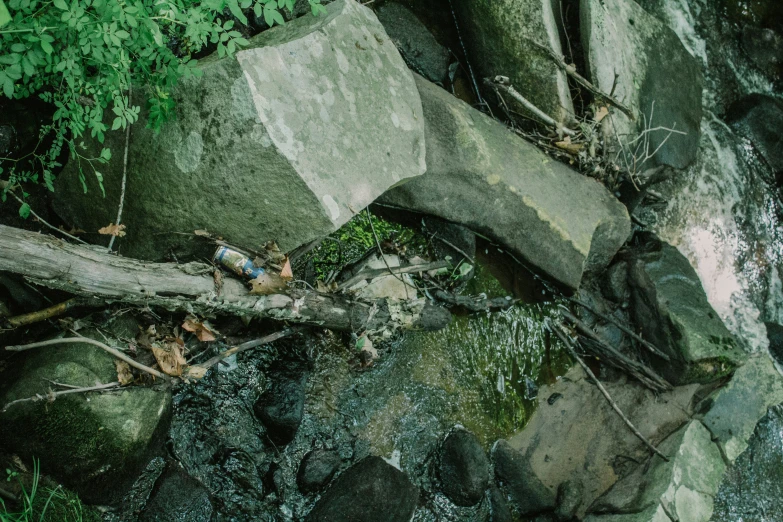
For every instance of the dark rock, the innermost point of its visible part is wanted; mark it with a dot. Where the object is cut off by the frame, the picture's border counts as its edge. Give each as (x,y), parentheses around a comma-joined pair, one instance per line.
(764,47)
(498,506)
(759,118)
(416,44)
(670,307)
(369,491)
(464,468)
(616,283)
(178,497)
(281,407)
(775,336)
(569,498)
(513,471)
(317,469)
(483,177)
(95,444)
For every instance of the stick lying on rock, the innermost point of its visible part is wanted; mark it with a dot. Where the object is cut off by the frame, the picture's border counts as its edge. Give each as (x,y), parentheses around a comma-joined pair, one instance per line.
(190,287)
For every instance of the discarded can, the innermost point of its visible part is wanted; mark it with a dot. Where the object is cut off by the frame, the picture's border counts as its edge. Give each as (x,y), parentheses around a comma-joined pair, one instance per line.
(238,263)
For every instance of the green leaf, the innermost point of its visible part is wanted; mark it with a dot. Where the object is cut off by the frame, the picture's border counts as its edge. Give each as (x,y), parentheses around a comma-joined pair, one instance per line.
(5,16)
(122,35)
(99,177)
(24,211)
(8,85)
(60,4)
(233,6)
(46,46)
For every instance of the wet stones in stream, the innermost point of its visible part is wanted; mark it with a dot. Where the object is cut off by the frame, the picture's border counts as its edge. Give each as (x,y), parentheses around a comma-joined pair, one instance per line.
(370,491)
(177,497)
(281,407)
(464,468)
(317,469)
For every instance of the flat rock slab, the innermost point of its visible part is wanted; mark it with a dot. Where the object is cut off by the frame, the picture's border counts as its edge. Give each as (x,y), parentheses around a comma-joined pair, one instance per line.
(285,141)
(498,34)
(635,56)
(681,489)
(739,406)
(669,305)
(575,436)
(482,176)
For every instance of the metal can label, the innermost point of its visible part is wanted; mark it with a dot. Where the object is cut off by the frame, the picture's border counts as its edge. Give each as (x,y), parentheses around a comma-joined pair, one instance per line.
(237,263)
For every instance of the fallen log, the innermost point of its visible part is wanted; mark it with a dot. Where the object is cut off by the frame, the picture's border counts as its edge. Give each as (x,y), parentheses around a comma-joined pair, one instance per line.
(191,287)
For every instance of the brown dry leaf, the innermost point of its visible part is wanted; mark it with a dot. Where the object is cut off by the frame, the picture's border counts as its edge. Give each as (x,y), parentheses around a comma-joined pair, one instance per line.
(112,230)
(323,288)
(124,374)
(601,113)
(202,233)
(286,273)
(202,329)
(267,284)
(169,357)
(146,337)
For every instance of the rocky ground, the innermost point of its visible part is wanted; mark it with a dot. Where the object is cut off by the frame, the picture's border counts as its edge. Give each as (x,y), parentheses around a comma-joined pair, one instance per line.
(584,237)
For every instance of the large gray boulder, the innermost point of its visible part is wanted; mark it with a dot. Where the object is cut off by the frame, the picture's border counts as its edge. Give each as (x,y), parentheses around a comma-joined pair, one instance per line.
(285,141)
(482,176)
(635,56)
(574,437)
(680,489)
(668,303)
(95,444)
(498,34)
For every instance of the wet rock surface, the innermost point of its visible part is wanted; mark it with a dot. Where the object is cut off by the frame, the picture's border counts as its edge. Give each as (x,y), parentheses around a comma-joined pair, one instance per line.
(670,306)
(177,497)
(464,468)
(758,118)
(737,408)
(635,56)
(281,407)
(369,491)
(752,488)
(483,177)
(265,131)
(317,469)
(416,44)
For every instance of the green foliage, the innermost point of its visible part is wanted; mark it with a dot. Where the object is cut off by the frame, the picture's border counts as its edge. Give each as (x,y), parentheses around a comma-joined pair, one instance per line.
(54,505)
(82,56)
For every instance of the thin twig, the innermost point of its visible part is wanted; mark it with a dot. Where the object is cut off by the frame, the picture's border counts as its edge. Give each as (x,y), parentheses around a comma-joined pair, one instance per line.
(502,82)
(562,336)
(7,495)
(51,396)
(383,257)
(52,311)
(87,340)
(571,71)
(10,190)
(243,347)
(124,171)
(465,54)
(651,347)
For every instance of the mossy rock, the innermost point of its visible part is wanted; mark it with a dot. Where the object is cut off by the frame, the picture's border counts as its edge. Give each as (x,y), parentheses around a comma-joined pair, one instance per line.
(94,443)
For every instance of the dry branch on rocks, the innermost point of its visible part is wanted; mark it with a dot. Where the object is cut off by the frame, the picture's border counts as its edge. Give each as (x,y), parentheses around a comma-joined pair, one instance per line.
(94,273)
